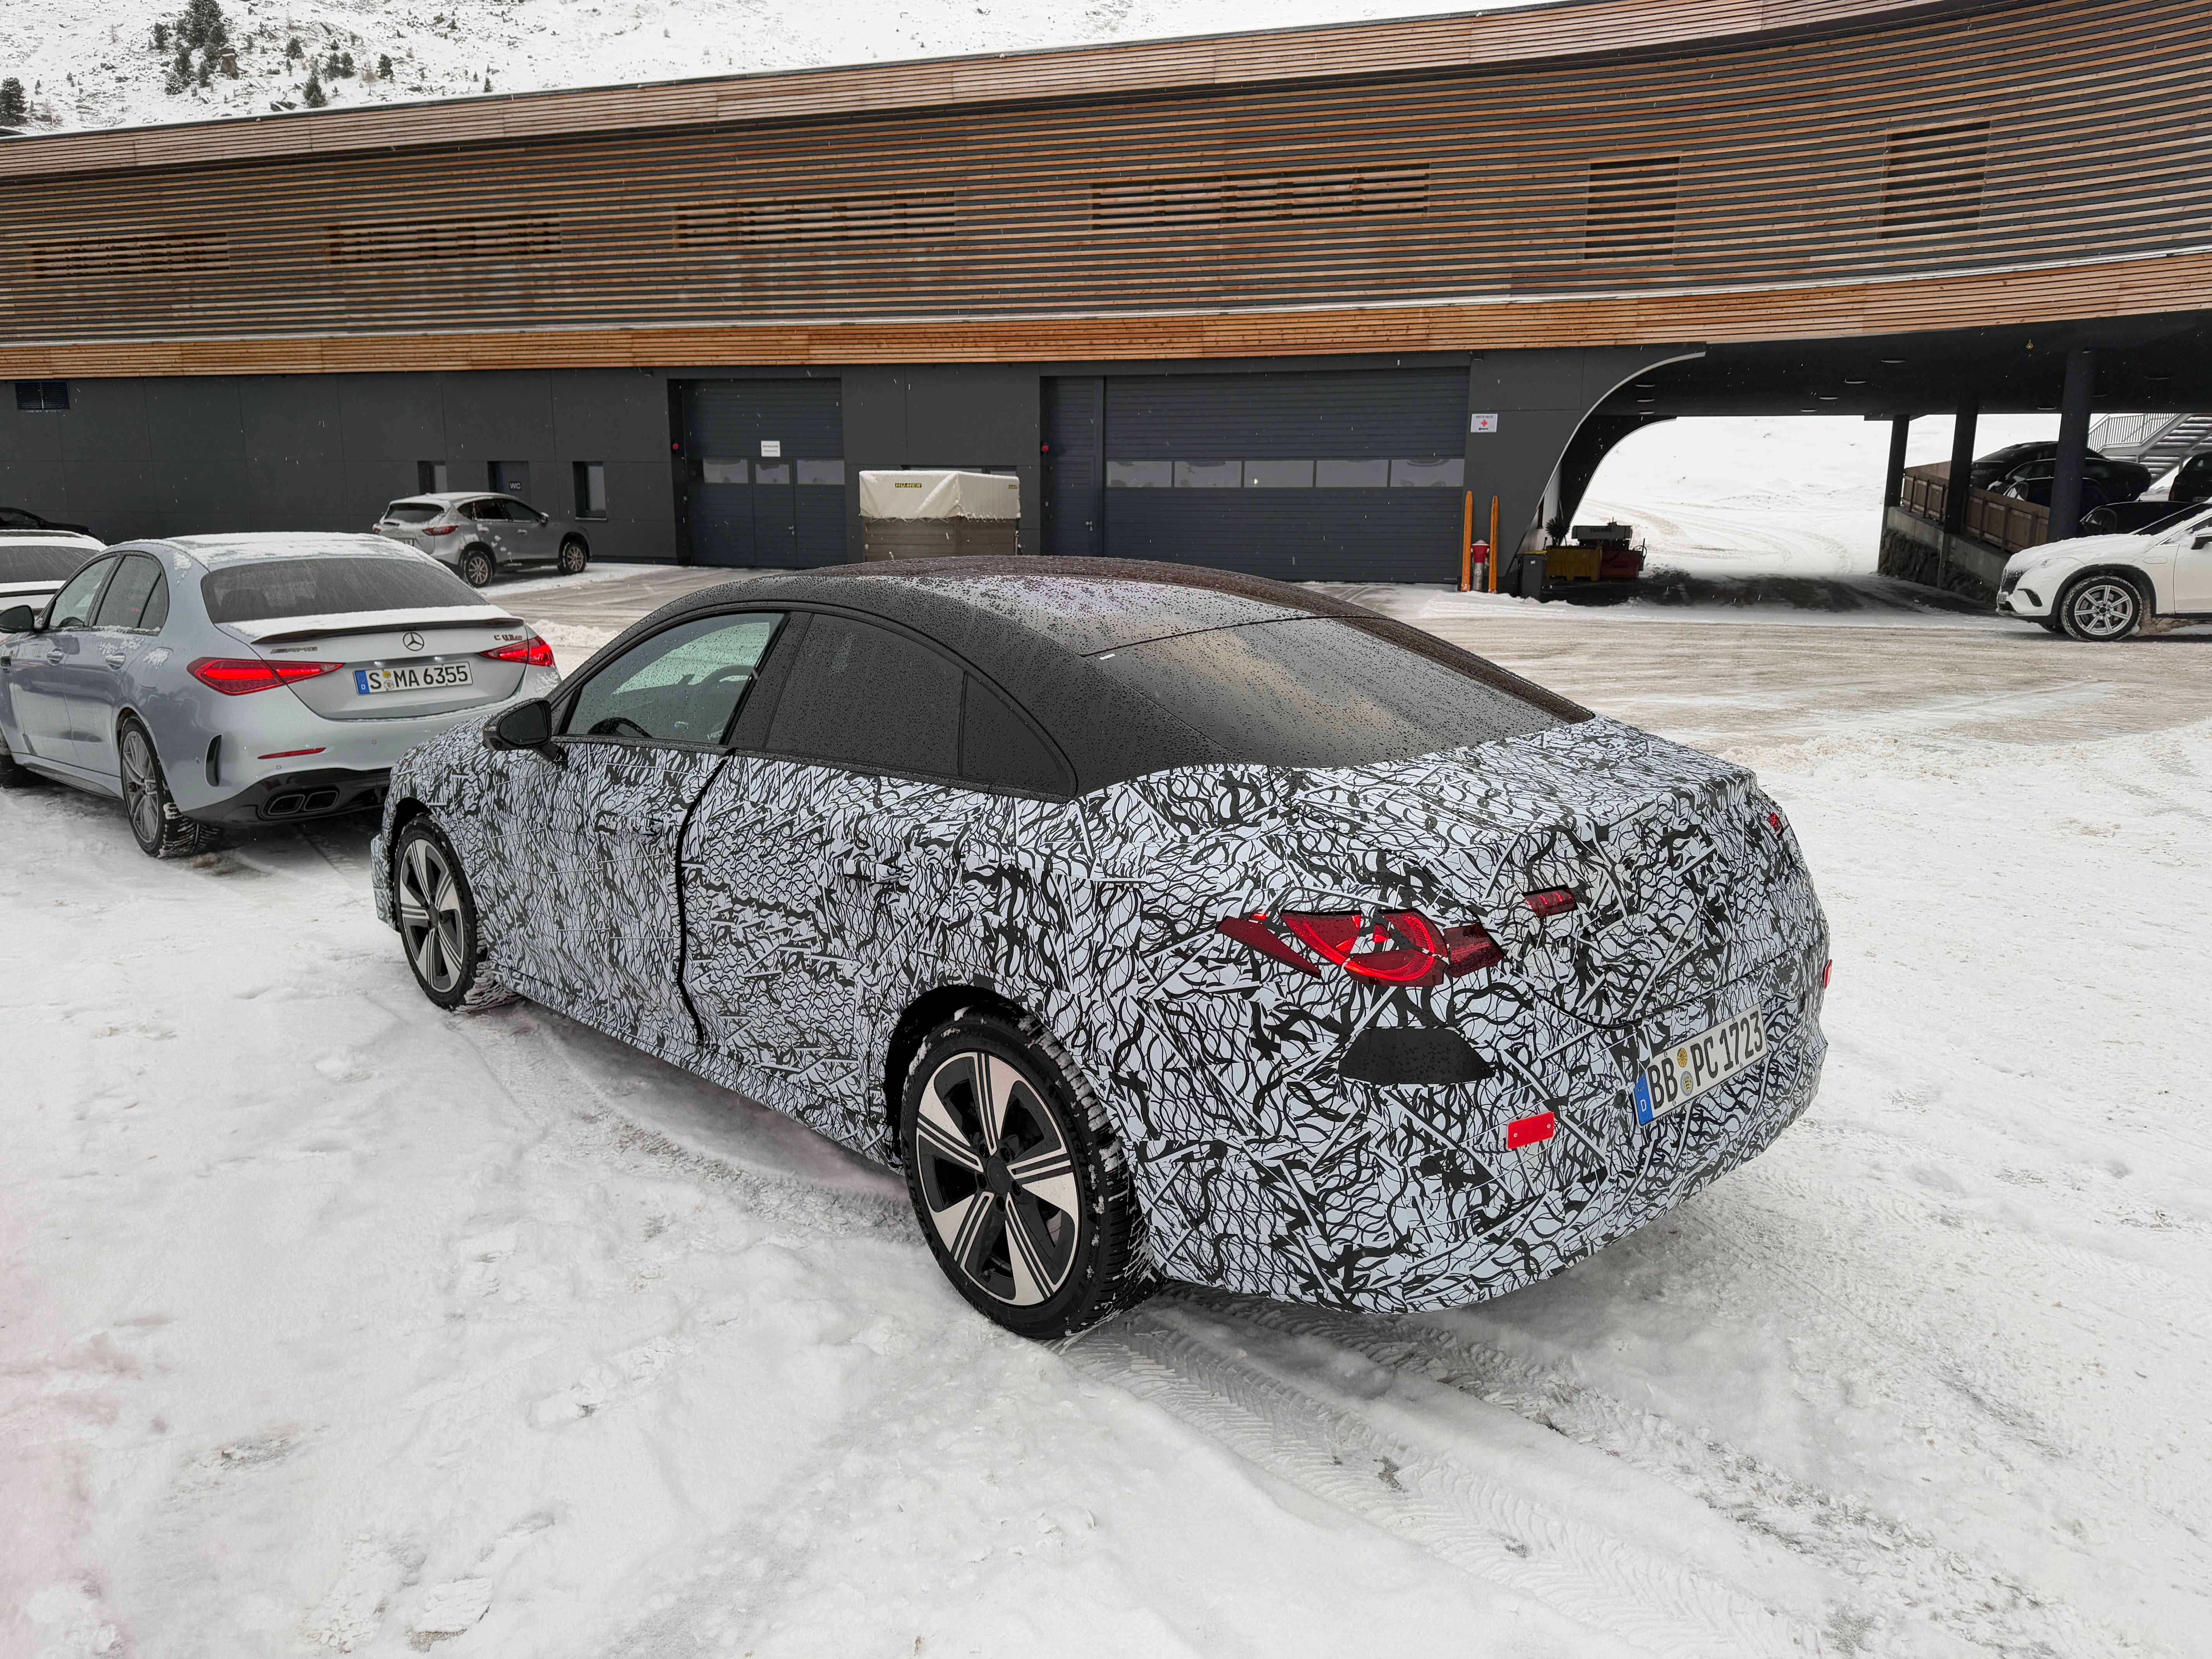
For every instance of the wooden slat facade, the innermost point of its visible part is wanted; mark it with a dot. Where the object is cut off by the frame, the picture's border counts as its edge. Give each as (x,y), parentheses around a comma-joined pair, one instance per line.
(1204,198)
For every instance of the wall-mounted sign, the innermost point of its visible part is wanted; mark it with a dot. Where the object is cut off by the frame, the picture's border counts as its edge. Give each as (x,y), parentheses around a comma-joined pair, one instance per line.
(771,449)
(1482,424)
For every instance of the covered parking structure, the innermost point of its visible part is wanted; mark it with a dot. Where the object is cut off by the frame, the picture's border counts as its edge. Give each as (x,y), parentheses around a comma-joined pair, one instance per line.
(1288,302)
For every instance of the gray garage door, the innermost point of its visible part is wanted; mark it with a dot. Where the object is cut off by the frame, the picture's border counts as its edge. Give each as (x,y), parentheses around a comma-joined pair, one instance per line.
(1306,477)
(766,472)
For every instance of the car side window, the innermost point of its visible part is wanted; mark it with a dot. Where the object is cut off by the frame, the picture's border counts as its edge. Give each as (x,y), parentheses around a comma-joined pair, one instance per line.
(684,684)
(72,606)
(124,605)
(864,696)
(1000,750)
(485,510)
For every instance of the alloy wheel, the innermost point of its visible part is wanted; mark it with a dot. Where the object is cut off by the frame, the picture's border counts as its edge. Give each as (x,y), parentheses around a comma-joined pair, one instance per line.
(143,792)
(998,1178)
(431,924)
(2104,609)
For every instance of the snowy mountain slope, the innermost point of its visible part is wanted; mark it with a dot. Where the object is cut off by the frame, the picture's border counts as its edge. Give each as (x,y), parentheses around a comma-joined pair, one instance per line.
(84,64)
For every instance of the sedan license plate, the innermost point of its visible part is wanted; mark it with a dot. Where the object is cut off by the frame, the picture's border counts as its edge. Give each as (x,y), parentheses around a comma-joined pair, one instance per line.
(1689,1067)
(415,676)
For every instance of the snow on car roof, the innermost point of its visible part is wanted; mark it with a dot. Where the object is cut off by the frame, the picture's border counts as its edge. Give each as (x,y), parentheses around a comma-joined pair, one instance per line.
(244,546)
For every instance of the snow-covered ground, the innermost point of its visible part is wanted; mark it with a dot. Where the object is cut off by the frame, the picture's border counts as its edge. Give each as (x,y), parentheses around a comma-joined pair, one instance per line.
(88,65)
(331,1322)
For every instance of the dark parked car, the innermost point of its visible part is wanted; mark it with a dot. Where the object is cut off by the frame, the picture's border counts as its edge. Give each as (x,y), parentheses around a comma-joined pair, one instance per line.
(21,517)
(2193,482)
(2102,480)
(1158,923)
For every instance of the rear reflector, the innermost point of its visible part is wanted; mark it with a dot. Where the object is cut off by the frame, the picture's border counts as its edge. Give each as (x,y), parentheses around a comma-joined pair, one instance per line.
(532,653)
(1527,1131)
(291,754)
(1552,901)
(1827,969)
(234,676)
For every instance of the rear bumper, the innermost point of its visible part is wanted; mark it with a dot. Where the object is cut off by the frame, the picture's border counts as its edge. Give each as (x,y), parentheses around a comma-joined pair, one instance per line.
(292,797)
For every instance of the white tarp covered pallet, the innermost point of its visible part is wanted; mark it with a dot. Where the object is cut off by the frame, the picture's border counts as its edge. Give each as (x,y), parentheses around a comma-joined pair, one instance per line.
(918,494)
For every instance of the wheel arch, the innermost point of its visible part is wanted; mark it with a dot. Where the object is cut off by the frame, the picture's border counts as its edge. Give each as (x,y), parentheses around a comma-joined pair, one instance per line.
(922,1016)
(2144,583)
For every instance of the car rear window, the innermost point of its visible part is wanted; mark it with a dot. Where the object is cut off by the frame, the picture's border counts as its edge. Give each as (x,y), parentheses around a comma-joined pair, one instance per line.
(268,588)
(413,512)
(1330,691)
(39,564)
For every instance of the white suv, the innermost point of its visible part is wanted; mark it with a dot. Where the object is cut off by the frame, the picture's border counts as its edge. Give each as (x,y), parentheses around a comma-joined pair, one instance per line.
(2106,587)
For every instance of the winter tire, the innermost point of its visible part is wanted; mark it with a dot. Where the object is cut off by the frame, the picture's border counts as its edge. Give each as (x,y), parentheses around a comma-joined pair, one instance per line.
(575,553)
(160,830)
(475,567)
(437,914)
(1017,1180)
(2100,609)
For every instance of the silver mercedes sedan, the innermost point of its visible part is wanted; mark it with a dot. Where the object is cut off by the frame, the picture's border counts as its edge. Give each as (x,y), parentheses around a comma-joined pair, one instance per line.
(249,679)
(482,533)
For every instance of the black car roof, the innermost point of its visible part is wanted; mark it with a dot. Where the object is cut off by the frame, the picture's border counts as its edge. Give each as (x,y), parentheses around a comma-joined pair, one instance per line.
(1034,625)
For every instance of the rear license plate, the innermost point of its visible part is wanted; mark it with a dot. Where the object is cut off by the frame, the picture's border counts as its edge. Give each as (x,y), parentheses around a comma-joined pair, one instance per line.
(1689,1068)
(415,676)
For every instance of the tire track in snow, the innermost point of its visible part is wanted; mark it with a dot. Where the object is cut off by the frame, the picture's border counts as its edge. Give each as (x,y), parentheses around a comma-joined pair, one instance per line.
(1893,1564)
(1475,1522)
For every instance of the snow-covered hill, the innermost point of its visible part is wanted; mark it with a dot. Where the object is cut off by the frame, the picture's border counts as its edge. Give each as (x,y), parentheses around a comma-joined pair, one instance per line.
(96,62)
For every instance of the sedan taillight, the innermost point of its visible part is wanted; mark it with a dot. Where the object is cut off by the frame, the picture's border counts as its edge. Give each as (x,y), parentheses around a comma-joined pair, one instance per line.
(1396,947)
(234,676)
(532,653)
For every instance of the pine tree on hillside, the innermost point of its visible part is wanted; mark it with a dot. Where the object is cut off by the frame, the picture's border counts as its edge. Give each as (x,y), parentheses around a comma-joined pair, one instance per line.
(161,37)
(292,50)
(12,110)
(384,66)
(203,25)
(313,97)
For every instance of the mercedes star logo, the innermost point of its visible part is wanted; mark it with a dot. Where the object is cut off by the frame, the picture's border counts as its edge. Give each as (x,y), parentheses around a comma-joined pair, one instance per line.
(411,640)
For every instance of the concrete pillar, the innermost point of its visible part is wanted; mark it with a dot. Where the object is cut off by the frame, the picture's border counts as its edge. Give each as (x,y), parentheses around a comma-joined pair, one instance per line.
(1962,465)
(1893,479)
(2073,442)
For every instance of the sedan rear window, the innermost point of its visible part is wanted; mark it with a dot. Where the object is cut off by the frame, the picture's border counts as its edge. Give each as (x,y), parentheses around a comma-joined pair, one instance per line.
(39,564)
(413,512)
(1327,691)
(268,588)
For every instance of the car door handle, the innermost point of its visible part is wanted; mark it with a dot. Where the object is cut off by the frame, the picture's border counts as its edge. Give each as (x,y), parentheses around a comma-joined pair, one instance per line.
(54,657)
(116,658)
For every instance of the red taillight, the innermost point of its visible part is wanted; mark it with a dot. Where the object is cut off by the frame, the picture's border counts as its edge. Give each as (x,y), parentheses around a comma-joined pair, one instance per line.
(532,653)
(1255,932)
(234,676)
(1827,969)
(1399,947)
(1527,1131)
(1552,901)
(439,529)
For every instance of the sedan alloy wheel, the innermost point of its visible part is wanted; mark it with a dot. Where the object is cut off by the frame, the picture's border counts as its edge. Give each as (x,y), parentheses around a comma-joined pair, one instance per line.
(437,918)
(2101,608)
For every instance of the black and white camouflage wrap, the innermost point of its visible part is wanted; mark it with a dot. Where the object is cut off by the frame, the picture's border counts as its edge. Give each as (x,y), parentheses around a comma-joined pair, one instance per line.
(765,924)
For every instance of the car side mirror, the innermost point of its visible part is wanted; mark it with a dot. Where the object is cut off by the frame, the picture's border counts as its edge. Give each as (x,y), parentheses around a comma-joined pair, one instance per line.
(2201,538)
(526,726)
(21,619)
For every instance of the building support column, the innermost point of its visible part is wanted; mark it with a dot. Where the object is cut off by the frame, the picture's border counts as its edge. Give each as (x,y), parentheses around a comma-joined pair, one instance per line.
(1961,479)
(2073,443)
(1893,478)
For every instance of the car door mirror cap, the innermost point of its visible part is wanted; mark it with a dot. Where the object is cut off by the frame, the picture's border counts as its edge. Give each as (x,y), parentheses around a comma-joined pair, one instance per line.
(20,619)
(526,725)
